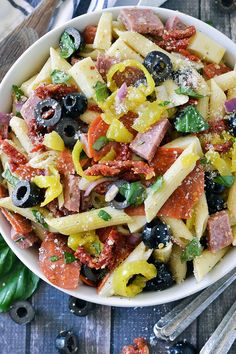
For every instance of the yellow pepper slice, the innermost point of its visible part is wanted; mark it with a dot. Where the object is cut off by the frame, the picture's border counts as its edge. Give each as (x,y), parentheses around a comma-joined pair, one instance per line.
(110,156)
(51,183)
(143,270)
(118,132)
(54,141)
(149,114)
(89,240)
(148,90)
(218,162)
(233,167)
(76,161)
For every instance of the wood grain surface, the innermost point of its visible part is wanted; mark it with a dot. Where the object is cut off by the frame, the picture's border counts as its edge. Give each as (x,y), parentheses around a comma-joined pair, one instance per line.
(106,330)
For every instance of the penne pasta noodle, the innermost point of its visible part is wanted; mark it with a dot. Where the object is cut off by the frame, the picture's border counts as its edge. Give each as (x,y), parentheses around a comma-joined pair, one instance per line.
(204,263)
(87,221)
(180,233)
(203,107)
(184,142)
(57,62)
(20,128)
(177,268)
(163,254)
(137,223)
(26,87)
(44,76)
(226,81)
(103,36)
(234,235)
(217,100)
(231,202)
(201,216)
(122,51)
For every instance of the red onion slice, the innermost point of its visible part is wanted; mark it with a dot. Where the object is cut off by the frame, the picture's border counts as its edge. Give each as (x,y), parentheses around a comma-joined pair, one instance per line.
(230,106)
(122,93)
(92,185)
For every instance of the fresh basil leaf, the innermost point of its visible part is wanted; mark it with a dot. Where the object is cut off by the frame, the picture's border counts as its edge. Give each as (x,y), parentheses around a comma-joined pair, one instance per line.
(104,215)
(69,257)
(192,250)
(203,161)
(164,103)
(54,258)
(100,143)
(97,247)
(17,92)
(134,193)
(17,282)
(101,91)
(67,47)
(9,177)
(18,114)
(59,77)
(188,92)
(226,181)
(39,218)
(158,184)
(190,121)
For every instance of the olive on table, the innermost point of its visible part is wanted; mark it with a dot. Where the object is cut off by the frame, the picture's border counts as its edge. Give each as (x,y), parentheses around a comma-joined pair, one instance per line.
(182,347)
(67,343)
(215,203)
(231,122)
(22,312)
(211,186)
(68,129)
(47,113)
(26,194)
(79,307)
(75,104)
(156,234)
(162,281)
(159,66)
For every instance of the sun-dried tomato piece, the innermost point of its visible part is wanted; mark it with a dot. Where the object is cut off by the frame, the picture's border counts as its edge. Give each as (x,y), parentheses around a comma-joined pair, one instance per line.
(179,33)
(16,157)
(19,223)
(224,147)
(188,55)
(56,91)
(27,172)
(139,347)
(212,70)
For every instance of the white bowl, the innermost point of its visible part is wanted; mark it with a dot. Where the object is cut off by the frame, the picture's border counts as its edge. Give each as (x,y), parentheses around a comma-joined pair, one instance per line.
(24,68)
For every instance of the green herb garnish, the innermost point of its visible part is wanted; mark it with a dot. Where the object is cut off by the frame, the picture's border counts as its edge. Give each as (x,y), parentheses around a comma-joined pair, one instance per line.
(67,46)
(192,250)
(97,247)
(54,258)
(9,177)
(17,282)
(158,184)
(39,218)
(164,103)
(17,92)
(101,91)
(190,121)
(59,77)
(188,92)
(226,181)
(104,215)
(134,193)
(203,161)
(69,257)
(100,143)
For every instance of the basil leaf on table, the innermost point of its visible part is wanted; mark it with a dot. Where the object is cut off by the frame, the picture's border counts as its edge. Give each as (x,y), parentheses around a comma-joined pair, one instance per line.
(190,121)
(17,282)
(188,92)
(59,77)
(101,91)
(226,181)
(192,250)
(67,46)
(134,193)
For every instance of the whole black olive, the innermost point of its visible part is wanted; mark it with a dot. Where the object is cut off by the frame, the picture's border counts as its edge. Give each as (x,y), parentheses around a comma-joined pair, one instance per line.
(162,281)
(156,234)
(211,186)
(68,129)
(80,307)
(71,40)
(159,66)
(119,201)
(215,203)
(47,112)
(231,122)
(26,194)
(182,348)
(22,312)
(184,77)
(67,343)
(75,104)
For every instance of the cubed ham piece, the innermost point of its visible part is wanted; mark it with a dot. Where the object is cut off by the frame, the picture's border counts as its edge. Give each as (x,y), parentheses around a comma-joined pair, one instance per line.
(146,144)
(104,63)
(174,23)
(219,231)
(4,124)
(24,241)
(141,20)
(27,110)
(71,193)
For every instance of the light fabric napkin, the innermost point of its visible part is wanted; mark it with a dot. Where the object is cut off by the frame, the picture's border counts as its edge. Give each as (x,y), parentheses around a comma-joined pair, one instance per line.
(13,12)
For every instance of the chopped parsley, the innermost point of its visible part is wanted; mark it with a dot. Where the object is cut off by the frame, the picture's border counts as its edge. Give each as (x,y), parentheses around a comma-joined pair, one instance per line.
(54,258)
(9,177)
(101,91)
(226,181)
(158,184)
(104,215)
(59,77)
(190,121)
(39,218)
(164,103)
(203,161)
(134,193)
(100,143)
(69,257)
(192,250)
(188,92)
(17,92)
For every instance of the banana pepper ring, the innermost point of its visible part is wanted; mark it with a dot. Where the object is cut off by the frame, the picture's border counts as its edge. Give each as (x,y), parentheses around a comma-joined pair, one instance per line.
(143,271)
(76,161)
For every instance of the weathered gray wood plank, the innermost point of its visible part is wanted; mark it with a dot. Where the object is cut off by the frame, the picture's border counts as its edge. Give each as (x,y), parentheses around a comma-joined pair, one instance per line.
(12,336)
(188,7)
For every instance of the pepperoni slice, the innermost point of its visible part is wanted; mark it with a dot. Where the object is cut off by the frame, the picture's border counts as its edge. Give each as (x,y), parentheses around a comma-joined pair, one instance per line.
(164,158)
(52,262)
(65,163)
(20,224)
(129,76)
(26,172)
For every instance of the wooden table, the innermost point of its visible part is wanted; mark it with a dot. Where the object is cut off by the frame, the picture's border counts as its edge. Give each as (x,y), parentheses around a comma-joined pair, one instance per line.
(107,329)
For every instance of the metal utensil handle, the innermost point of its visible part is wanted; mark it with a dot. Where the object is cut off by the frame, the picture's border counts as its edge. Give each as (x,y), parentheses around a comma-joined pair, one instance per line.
(181,320)
(224,336)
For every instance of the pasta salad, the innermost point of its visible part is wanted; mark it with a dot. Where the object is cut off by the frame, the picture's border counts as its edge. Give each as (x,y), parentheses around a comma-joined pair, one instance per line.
(119,156)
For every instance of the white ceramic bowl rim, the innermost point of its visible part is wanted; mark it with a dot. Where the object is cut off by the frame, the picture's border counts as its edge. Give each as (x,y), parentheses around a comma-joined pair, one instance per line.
(22,70)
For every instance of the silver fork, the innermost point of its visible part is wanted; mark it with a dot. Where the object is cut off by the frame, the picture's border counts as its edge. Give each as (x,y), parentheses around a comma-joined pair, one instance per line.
(180,317)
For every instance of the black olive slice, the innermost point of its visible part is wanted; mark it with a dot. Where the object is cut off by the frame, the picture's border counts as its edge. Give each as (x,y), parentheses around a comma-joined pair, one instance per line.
(69,130)
(156,234)
(159,66)
(75,104)
(80,307)
(119,201)
(26,195)
(71,41)
(47,112)
(22,312)
(67,343)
